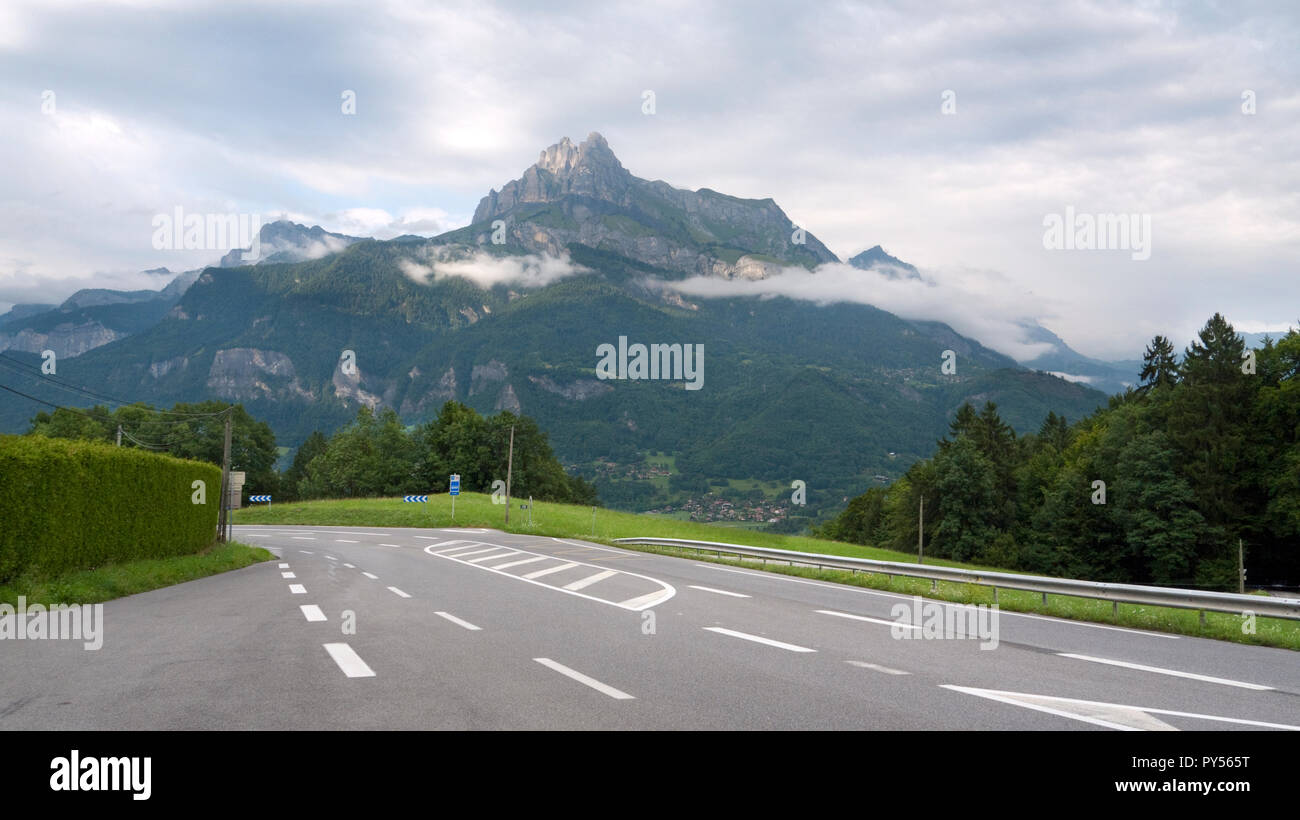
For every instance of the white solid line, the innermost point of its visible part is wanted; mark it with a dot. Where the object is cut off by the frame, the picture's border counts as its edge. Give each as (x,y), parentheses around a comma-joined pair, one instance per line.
(371,577)
(583,583)
(458,621)
(539,573)
(297,589)
(349,661)
(455,552)
(349,566)
(719,591)
(304,538)
(312,612)
(518,563)
(284,566)
(507,554)
(865,618)
(343,541)
(757,639)
(581,678)
(877,667)
(287,575)
(306,552)
(641,600)
(1174,672)
(398,591)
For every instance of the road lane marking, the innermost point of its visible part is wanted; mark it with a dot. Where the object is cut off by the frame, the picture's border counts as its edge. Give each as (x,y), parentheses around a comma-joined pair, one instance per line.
(442,543)
(397,591)
(370,576)
(507,565)
(331,557)
(256,534)
(349,566)
(343,541)
(306,552)
(297,589)
(583,583)
(455,552)
(391,545)
(757,639)
(539,573)
(284,566)
(458,621)
(641,600)
(312,612)
(507,554)
(287,575)
(349,661)
(1174,672)
(581,678)
(877,667)
(719,591)
(903,624)
(304,538)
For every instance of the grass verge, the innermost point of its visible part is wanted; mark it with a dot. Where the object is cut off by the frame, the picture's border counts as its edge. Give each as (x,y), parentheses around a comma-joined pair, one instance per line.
(568,521)
(92,586)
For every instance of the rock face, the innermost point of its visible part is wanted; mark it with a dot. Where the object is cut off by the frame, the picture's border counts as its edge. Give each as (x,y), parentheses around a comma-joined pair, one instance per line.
(347,386)
(245,373)
(579,390)
(485,375)
(594,200)
(285,241)
(66,340)
(442,391)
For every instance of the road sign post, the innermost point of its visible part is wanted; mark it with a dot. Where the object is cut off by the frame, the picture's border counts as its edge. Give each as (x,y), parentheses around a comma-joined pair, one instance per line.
(454,489)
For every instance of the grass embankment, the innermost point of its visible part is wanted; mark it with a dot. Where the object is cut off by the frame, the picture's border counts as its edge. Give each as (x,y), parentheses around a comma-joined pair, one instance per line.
(92,586)
(568,521)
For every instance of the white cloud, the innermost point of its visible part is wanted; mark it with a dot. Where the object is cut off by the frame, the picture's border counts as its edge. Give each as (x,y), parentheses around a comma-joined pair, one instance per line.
(980,304)
(486,270)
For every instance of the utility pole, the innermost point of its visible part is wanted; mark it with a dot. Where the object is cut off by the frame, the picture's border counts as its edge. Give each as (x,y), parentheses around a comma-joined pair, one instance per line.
(223,514)
(119,435)
(1241,568)
(510,464)
(920,536)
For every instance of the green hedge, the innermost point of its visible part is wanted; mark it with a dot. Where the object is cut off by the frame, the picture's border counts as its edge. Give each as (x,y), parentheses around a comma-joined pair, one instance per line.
(67,505)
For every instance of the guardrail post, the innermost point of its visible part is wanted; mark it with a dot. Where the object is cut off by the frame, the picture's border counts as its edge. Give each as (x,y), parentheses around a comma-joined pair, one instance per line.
(1114,609)
(1202,619)
(1044,599)
(995,595)
(934,584)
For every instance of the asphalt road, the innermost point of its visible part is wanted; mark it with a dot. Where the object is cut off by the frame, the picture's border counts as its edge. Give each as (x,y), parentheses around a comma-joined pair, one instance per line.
(372,628)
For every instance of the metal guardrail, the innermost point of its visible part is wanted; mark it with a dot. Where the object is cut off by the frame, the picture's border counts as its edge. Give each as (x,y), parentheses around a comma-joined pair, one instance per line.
(1116,593)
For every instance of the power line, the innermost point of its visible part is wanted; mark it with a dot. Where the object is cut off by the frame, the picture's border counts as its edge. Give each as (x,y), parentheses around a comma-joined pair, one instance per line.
(68,386)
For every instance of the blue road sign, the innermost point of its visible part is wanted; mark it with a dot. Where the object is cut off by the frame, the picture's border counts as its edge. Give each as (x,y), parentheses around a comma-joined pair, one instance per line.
(252,498)
(455,485)
(416,498)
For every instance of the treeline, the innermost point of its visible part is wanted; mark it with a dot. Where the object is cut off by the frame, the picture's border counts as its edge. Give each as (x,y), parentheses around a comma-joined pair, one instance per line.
(1155,488)
(375,455)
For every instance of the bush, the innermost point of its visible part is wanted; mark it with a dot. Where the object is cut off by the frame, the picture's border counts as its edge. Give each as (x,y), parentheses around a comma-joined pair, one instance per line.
(67,505)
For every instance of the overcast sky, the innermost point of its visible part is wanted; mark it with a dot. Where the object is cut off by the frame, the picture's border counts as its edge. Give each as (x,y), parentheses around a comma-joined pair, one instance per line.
(834,110)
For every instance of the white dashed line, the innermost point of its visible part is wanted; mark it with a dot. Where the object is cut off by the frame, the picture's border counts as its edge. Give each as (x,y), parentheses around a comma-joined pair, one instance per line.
(865,618)
(391,545)
(284,566)
(306,552)
(581,678)
(287,575)
(343,541)
(549,570)
(349,661)
(304,538)
(718,591)
(1174,672)
(583,583)
(297,589)
(877,667)
(397,591)
(457,621)
(331,558)
(756,639)
(349,566)
(370,576)
(312,612)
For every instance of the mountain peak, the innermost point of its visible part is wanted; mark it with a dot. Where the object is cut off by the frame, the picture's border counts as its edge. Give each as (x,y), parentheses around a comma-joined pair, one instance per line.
(879,257)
